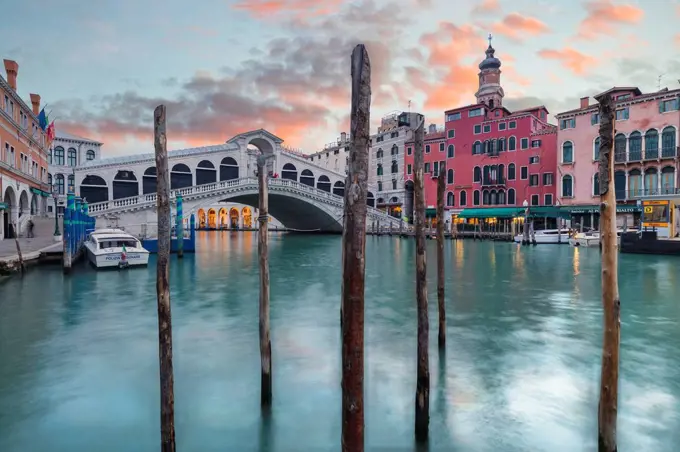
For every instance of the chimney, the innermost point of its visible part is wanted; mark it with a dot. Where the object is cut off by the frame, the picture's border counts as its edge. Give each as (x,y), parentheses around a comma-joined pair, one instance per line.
(585,101)
(35,101)
(12,68)
(343,137)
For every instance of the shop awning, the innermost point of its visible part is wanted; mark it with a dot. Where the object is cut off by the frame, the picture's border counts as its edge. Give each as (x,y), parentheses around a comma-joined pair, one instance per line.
(548,211)
(3,205)
(492,212)
(430,213)
(620,208)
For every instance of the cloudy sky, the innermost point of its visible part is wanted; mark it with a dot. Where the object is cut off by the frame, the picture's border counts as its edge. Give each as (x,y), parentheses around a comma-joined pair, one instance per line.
(227,66)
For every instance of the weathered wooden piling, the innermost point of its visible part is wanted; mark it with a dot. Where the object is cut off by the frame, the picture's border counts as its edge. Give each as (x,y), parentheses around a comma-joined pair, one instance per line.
(422,402)
(263,253)
(22,266)
(179,227)
(163,283)
(67,238)
(441,187)
(609,379)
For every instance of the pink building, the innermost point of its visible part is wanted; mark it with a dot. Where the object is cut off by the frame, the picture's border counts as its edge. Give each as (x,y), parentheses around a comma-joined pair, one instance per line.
(645,148)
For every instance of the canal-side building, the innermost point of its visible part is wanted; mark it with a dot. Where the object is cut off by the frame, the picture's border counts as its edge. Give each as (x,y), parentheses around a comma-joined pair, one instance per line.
(494,157)
(645,151)
(386,166)
(66,153)
(333,156)
(23,157)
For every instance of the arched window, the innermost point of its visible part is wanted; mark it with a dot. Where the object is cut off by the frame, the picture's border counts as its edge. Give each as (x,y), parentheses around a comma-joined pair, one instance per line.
(620,148)
(485,198)
(228,169)
(667,180)
(59,184)
(323,183)
(379,154)
(511,171)
(370,198)
(668,142)
(395,167)
(477,147)
(72,157)
(511,197)
(501,145)
(475,198)
(339,188)
(90,155)
(651,181)
(567,152)
(493,198)
(394,184)
(635,183)
(149,180)
(651,144)
(289,172)
(596,184)
(501,197)
(451,152)
(449,199)
(94,189)
(567,186)
(512,144)
(380,169)
(463,198)
(49,180)
(59,156)
(477,174)
(596,149)
(307,178)
(634,146)
(395,150)
(449,176)
(71,183)
(125,184)
(205,173)
(501,174)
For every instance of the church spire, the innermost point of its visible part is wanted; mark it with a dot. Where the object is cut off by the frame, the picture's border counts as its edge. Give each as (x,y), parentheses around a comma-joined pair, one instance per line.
(490,91)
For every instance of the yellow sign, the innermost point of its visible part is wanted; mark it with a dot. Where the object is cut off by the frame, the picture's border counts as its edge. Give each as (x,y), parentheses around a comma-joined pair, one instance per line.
(654,203)
(649,209)
(656,225)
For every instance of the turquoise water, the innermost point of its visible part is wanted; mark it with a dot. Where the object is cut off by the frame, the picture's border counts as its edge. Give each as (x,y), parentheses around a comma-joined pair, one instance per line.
(79,354)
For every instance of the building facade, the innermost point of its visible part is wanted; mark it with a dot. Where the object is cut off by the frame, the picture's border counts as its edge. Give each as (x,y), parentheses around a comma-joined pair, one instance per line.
(386,167)
(23,157)
(334,155)
(66,153)
(493,157)
(645,149)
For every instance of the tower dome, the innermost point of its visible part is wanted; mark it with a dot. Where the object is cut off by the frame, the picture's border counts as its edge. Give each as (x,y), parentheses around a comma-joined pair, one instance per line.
(490,91)
(490,62)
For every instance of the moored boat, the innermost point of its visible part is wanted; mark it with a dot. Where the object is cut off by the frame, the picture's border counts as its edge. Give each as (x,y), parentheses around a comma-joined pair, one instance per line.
(547,236)
(108,248)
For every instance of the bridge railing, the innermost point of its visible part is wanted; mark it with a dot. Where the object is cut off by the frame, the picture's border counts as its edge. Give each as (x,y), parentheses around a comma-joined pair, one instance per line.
(147,200)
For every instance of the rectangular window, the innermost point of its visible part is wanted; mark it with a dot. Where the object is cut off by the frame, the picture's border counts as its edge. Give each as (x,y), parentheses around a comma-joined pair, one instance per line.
(394,134)
(475,112)
(535,143)
(511,171)
(533,180)
(427,148)
(512,125)
(435,168)
(524,173)
(623,97)
(442,146)
(534,200)
(502,125)
(409,151)
(478,129)
(567,123)
(533,159)
(451,133)
(622,114)
(668,105)
(487,128)
(542,115)
(409,169)
(524,143)
(594,119)
(427,167)
(548,199)
(547,178)
(453,116)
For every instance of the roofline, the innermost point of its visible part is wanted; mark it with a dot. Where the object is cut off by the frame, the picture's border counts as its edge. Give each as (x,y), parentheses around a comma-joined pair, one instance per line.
(18,98)
(620,88)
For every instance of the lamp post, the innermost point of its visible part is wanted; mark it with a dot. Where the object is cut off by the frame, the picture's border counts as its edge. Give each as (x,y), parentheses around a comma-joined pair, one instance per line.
(56,216)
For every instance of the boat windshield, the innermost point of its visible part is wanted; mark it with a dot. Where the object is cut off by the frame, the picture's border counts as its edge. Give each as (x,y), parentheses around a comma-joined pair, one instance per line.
(117,243)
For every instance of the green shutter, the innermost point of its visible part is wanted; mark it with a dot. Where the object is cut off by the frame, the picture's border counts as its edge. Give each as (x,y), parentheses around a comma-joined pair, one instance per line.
(661,106)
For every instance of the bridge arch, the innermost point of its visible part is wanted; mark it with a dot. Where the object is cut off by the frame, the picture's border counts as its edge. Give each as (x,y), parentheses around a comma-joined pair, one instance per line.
(180,176)
(10,214)
(125,184)
(307,178)
(324,183)
(289,172)
(94,189)
(228,169)
(339,188)
(149,180)
(370,199)
(206,173)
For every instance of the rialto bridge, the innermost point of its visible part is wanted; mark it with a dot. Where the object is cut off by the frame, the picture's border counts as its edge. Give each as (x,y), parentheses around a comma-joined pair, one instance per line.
(302,195)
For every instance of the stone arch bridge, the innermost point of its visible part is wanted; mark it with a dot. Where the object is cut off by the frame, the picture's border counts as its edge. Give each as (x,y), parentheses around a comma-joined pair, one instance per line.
(302,195)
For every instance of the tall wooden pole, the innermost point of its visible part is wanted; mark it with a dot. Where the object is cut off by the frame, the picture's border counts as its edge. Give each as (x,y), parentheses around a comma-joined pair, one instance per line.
(423,376)
(353,256)
(263,252)
(163,283)
(441,186)
(611,304)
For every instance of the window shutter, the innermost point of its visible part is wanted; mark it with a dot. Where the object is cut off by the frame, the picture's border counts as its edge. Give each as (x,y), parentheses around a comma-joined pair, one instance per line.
(661,106)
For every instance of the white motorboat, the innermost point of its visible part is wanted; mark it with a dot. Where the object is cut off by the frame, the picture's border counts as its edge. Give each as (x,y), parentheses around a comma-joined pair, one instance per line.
(547,236)
(592,238)
(108,248)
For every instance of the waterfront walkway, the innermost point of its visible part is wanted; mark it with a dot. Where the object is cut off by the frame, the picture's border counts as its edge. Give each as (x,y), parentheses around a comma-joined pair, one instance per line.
(8,249)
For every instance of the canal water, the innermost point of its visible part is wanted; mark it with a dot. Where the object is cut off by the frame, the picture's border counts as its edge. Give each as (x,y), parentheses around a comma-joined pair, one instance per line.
(79,356)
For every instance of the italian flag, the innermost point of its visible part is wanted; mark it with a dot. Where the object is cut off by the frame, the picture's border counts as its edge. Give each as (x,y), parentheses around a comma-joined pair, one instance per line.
(123,255)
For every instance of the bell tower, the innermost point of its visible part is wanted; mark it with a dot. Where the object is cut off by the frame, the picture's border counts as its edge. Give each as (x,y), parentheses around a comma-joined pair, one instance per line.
(490,91)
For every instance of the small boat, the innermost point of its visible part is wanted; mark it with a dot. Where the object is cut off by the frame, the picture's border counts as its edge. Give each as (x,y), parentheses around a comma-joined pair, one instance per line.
(547,236)
(107,248)
(592,238)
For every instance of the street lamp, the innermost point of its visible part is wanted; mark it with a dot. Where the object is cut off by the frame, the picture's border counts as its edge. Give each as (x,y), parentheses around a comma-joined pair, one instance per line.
(56,217)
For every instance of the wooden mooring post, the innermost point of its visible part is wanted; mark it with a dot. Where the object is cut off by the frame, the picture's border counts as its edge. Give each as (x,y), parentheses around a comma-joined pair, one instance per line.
(22,266)
(611,304)
(263,252)
(441,303)
(163,283)
(353,256)
(179,226)
(422,400)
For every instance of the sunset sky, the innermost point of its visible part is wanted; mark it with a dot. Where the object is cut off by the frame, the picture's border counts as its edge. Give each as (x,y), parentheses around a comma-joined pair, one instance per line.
(227,66)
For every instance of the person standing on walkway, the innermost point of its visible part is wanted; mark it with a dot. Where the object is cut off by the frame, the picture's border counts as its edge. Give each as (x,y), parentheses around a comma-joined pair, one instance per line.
(30,229)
